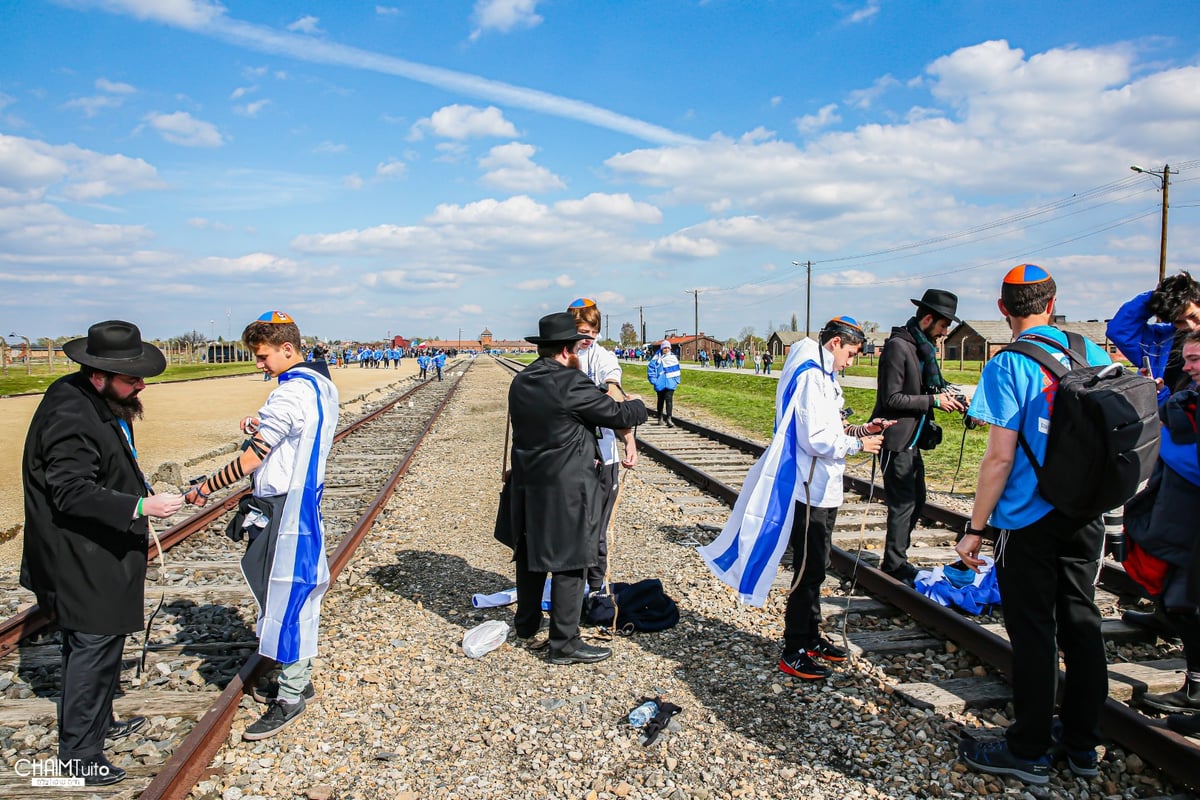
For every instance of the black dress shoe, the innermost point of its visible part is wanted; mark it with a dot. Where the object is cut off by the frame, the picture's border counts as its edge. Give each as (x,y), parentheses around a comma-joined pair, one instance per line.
(121,729)
(584,654)
(95,771)
(1155,621)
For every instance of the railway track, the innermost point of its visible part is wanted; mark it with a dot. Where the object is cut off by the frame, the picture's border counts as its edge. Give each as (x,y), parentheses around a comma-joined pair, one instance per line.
(201,657)
(711,465)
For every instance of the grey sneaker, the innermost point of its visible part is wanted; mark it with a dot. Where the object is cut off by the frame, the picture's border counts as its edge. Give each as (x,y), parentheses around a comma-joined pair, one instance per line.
(278,716)
(996,759)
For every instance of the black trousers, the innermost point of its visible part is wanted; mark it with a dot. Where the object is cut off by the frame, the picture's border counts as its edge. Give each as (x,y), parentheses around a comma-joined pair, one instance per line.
(566,602)
(91,672)
(666,399)
(802,617)
(1047,574)
(904,493)
(609,475)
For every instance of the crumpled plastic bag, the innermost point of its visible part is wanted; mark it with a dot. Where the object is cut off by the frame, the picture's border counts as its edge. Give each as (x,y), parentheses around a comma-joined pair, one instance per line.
(484,638)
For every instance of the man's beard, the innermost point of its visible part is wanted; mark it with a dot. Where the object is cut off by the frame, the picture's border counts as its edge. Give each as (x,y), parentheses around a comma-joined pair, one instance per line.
(573,361)
(128,408)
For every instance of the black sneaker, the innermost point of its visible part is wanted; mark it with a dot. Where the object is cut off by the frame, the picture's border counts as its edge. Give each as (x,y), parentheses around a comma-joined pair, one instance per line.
(801,665)
(269,693)
(121,729)
(1084,763)
(584,654)
(823,648)
(95,771)
(995,758)
(278,716)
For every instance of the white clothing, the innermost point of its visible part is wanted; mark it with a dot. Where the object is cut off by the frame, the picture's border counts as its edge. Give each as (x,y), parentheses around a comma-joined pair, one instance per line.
(601,366)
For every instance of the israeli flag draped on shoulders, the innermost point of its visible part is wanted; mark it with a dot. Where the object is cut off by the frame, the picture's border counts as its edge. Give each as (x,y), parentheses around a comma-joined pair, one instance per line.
(299,573)
(747,553)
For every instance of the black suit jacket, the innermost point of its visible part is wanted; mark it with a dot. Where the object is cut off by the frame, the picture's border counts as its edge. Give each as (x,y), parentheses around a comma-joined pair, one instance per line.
(556,491)
(899,395)
(84,554)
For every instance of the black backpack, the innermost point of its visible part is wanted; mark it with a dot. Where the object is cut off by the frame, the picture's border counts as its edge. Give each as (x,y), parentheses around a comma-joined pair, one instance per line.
(1104,431)
(642,606)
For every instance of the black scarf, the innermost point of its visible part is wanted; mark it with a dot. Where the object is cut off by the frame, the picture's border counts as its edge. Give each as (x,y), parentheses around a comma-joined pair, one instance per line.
(932,381)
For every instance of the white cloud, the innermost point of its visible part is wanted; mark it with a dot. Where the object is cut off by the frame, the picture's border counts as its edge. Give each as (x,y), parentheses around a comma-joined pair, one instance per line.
(183,129)
(210,19)
(91,106)
(470,308)
(563,281)
(511,167)
(352,182)
(29,169)
(504,16)
(184,13)
(330,147)
(864,98)
(390,169)
(810,123)
(114,87)
(256,264)
(387,11)
(306,24)
(251,109)
(464,122)
(242,91)
(863,14)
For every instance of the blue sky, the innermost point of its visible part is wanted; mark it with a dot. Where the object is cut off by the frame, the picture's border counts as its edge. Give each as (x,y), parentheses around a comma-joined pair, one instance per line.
(421,168)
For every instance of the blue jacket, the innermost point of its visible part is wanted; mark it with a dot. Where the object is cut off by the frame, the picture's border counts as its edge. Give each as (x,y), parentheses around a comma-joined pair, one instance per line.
(1136,337)
(662,375)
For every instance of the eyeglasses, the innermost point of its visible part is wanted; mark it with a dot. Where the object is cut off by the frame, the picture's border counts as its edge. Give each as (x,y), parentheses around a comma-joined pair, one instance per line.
(582,302)
(277,317)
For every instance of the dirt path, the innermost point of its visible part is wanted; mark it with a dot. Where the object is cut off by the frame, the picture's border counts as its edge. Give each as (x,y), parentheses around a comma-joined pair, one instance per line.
(193,425)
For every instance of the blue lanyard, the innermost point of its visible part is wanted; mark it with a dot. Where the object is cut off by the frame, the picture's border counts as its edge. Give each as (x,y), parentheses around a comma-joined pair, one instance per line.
(128,436)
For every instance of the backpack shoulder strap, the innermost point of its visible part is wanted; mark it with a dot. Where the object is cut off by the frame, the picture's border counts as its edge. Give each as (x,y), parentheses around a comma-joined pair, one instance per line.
(1026,347)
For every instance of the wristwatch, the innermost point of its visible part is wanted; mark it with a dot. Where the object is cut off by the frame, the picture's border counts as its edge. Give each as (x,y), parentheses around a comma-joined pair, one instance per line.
(975,531)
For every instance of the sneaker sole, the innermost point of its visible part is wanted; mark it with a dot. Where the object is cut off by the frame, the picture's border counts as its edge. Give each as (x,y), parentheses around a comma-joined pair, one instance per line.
(1083,772)
(1169,708)
(1015,772)
(784,668)
(255,737)
(822,656)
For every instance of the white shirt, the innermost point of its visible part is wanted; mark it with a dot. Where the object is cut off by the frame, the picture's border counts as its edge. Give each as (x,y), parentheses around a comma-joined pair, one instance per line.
(821,440)
(290,407)
(601,366)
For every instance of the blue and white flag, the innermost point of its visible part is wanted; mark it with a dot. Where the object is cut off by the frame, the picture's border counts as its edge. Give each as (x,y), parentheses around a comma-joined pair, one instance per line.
(299,572)
(747,553)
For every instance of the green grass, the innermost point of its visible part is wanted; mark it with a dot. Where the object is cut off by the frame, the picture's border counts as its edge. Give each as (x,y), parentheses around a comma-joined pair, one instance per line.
(18,382)
(969,374)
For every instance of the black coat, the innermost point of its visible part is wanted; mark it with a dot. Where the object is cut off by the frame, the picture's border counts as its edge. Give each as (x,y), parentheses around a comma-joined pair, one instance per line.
(899,394)
(556,491)
(84,555)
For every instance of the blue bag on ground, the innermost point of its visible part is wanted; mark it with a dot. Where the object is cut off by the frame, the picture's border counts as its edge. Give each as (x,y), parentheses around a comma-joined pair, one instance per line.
(951,585)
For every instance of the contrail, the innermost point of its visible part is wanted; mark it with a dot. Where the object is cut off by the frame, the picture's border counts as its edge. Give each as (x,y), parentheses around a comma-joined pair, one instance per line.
(210,19)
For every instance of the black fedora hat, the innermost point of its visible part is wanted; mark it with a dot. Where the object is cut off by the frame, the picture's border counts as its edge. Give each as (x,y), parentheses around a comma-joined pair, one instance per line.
(555,328)
(117,346)
(940,302)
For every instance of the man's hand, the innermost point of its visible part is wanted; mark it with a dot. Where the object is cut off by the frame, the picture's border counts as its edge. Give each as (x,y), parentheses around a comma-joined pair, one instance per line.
(250,425)
(968,550)
(629,397)
(946,402)
(161,505)
(879,425)
(872,444)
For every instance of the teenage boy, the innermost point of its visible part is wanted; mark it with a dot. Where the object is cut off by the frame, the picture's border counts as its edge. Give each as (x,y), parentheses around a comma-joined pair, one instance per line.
(285,561)
(602,369)
(1050,561)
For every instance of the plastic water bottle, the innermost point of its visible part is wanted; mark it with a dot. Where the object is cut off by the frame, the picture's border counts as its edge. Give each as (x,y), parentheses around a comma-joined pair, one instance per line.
(643,714)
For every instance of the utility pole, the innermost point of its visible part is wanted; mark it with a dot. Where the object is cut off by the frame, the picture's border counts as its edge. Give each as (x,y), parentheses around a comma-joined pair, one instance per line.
(696,315)
(642,325)
(1165,176)
(807,295)
(606,327)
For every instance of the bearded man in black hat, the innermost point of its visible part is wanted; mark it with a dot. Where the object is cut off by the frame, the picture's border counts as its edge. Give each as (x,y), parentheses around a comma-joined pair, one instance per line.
(557,489)
(910,387)
(86,504)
